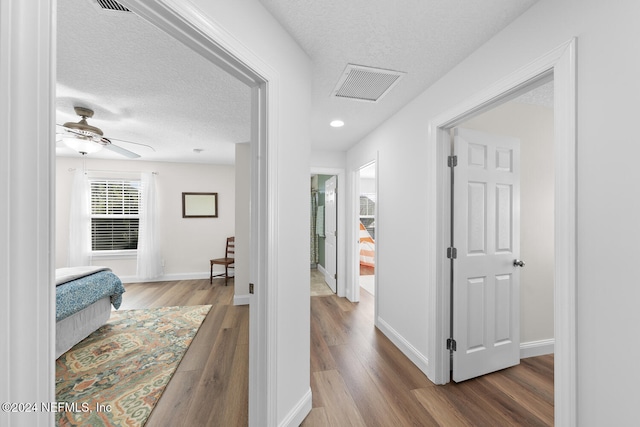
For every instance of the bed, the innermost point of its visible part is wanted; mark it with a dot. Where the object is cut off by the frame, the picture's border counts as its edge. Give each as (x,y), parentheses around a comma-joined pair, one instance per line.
(84,296)
(367,247)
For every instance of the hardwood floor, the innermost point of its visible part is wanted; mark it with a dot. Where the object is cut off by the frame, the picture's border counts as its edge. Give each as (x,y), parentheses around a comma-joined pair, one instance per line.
(210,386)
(318,286)
(358,378)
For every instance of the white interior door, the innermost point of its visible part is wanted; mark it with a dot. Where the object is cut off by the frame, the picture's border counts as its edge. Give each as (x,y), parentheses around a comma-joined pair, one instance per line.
(486,235)
(330,228)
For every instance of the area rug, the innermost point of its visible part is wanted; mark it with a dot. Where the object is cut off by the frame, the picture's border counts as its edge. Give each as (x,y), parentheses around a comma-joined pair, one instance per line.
(116,375)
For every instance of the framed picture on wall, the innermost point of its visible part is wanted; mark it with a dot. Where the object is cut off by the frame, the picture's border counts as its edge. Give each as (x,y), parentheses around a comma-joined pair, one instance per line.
(199,205)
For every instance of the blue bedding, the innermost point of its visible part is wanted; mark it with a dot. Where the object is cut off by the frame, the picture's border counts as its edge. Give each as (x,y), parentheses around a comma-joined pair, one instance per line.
(78,294)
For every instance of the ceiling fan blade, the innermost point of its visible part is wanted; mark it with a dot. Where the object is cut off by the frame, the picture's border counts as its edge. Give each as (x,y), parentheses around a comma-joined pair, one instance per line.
(131,142)
(121,151)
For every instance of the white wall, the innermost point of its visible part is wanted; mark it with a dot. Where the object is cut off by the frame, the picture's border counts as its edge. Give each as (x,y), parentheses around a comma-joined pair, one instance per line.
(533,125)
(607,230)
(186,244)
(328,159)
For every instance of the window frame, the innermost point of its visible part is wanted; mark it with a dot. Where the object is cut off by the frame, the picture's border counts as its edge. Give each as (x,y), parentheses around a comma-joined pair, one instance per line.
(114,253)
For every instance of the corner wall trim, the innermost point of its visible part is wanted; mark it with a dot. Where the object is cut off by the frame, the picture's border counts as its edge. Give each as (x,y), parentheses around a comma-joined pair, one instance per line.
(537,348)
(403,345)
(299,412)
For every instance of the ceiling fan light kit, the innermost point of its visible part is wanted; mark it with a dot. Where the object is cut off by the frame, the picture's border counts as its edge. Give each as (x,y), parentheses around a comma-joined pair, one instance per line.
(81,145)
(86,139)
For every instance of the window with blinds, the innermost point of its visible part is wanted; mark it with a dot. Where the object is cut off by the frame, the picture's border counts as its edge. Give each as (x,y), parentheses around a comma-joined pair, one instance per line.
(367,212)
(115,215)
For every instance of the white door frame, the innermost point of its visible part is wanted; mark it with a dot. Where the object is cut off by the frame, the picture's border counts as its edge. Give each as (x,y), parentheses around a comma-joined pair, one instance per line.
(562,64)
(28,165)
(341,266)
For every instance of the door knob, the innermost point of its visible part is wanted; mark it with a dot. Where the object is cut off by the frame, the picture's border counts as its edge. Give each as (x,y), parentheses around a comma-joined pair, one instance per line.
(518,263)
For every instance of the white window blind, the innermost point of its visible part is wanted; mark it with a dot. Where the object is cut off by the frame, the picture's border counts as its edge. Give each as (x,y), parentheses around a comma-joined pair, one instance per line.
(367,204)
(115,217)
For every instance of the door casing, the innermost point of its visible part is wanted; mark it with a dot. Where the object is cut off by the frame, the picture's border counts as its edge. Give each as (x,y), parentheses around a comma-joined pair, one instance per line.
(559,64)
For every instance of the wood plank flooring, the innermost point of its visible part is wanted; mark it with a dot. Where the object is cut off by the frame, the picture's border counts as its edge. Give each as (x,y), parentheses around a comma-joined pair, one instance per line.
(210,386)
(358,378)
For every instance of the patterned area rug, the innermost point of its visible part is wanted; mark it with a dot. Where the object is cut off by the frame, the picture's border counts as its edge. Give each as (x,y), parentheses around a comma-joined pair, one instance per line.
(117,374)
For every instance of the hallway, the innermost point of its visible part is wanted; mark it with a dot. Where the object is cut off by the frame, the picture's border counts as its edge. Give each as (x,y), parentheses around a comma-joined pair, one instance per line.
(359,378)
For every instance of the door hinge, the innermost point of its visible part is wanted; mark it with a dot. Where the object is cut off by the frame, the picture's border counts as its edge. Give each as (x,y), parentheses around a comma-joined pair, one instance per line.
(335,276)
(251,288)
(452,253)
(451,344)
(452,161)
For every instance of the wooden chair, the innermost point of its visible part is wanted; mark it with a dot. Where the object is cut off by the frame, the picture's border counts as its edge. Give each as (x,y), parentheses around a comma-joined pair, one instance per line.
(227,261)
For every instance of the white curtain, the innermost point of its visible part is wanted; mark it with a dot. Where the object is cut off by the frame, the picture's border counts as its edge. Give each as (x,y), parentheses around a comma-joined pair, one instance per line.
(149,259)
(80,221)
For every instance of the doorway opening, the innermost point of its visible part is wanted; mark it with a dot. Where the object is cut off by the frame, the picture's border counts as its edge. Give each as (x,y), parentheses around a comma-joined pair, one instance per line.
(217,46)
(367,226)
(321,274)
(502,230)
(323,226)
(560,64)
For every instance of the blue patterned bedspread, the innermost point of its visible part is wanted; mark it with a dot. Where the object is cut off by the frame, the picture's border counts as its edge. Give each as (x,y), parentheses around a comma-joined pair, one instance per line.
(73,296)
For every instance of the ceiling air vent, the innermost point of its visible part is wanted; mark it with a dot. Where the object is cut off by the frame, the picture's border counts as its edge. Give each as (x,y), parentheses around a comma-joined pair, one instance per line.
(112,5)
(366,83)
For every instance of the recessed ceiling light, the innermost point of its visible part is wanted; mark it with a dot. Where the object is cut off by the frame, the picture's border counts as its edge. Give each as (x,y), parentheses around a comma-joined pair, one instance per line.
(337,123)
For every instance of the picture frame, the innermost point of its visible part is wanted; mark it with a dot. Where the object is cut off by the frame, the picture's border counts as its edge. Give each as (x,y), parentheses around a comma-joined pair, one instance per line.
(199,205)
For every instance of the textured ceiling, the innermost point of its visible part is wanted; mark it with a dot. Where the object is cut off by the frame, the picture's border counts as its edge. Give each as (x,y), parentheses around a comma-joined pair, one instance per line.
(146,87)
(424,38)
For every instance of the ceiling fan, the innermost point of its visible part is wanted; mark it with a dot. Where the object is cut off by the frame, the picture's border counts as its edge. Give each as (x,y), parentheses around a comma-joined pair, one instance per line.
(84,138)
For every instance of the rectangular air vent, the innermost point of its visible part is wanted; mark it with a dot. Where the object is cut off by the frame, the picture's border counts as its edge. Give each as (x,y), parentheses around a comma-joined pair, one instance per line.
(366,83)
(112,5)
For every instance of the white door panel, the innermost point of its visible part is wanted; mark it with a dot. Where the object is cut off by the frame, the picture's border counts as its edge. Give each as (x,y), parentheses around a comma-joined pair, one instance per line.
(486,221)
(330,229)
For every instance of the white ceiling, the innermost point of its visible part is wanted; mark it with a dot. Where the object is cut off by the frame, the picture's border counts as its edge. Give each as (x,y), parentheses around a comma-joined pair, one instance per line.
(424,38)
(148,88)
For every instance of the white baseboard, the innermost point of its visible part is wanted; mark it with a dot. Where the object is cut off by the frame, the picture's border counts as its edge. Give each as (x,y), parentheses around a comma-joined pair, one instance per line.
(242,299)
(166,277)
(536,348)
(418,359)
(299,412)
(321,269)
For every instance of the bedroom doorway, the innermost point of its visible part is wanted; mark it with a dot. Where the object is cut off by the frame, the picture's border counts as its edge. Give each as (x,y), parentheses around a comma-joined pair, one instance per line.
(558,64)
(519,218)
(367,226)
(223,51)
